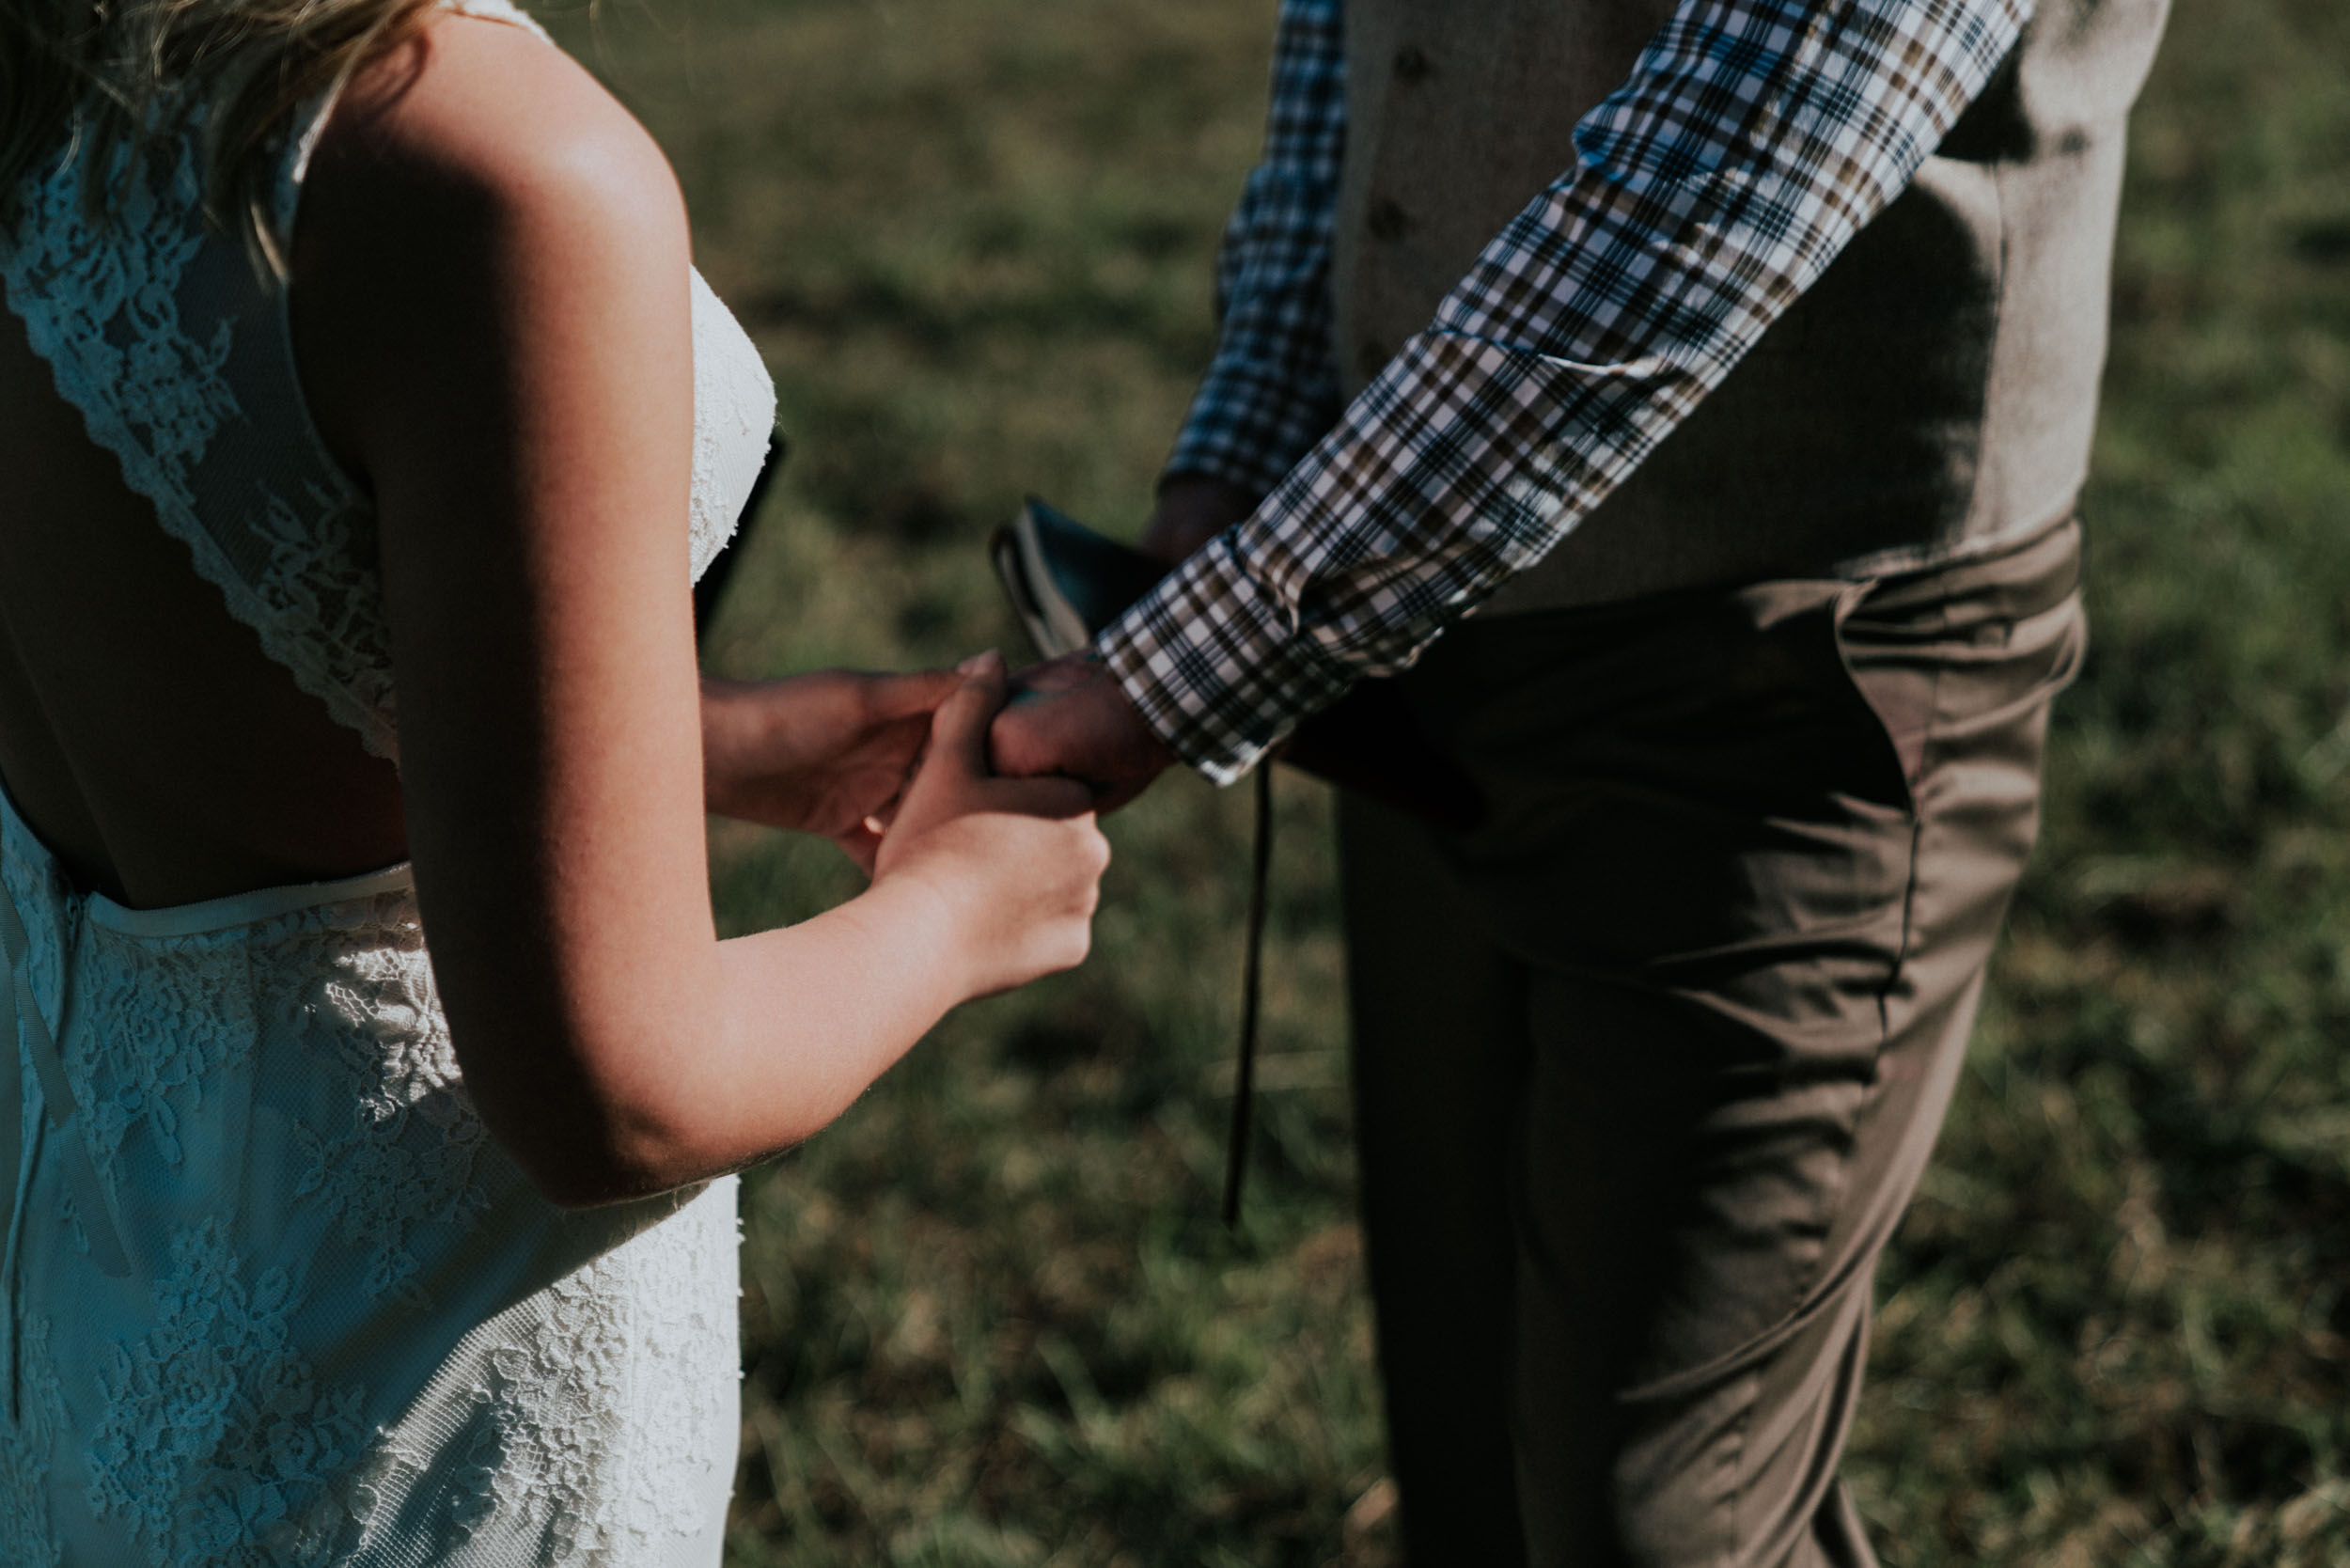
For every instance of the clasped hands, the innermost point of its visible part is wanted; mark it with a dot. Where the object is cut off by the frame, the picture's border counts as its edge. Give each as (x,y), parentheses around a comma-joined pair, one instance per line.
(832,753)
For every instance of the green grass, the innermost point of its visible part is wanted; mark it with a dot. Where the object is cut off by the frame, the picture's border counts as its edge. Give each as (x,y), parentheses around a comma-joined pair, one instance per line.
(990,1318)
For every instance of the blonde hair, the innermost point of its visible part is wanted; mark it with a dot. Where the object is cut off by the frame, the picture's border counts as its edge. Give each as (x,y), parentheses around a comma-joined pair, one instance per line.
(86,77)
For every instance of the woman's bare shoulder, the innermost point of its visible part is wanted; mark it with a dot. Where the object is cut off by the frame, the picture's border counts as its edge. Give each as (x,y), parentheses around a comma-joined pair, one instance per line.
(474,191)
(473,109)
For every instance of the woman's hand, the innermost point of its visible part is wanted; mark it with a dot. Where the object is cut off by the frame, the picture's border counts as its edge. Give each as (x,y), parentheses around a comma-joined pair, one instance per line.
(1017,862)
(818,753)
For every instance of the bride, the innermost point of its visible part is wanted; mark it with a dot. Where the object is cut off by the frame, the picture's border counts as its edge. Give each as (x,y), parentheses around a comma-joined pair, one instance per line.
(363,421)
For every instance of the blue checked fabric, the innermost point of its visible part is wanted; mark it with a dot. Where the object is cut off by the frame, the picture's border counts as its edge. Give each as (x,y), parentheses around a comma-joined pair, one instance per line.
(1753,141)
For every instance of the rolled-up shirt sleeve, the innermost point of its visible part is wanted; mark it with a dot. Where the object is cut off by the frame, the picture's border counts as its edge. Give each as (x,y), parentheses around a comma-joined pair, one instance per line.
(1753,141)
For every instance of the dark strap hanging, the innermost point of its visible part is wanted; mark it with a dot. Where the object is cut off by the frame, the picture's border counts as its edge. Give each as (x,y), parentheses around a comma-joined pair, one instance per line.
(1251,988)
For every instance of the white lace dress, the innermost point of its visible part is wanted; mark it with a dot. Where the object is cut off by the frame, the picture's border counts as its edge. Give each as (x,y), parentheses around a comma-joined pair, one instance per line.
(272,1294)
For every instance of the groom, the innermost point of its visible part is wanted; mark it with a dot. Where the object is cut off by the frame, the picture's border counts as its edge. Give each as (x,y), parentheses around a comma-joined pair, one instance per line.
(1736,361)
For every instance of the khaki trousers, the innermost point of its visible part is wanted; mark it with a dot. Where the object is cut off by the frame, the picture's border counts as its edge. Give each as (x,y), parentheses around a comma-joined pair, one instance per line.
(1647,1065)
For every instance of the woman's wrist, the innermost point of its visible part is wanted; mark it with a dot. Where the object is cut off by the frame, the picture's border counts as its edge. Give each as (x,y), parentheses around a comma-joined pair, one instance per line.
(924,910)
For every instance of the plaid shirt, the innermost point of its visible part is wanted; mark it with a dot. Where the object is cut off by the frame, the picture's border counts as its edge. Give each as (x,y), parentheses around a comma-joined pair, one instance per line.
(1753,141)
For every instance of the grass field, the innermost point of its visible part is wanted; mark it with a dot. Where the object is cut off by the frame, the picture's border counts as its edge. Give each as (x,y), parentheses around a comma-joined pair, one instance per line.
(990,1318)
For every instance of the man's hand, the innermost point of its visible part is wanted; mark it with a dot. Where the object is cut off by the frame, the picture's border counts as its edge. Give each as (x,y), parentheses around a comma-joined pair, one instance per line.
(1069,716)
(1015,863)
(822,753)
(1192,510)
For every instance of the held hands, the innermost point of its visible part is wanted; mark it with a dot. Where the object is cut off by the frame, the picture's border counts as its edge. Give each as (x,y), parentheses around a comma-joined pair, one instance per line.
(1069,716)
(823,753)
(829,753)
(1015,863)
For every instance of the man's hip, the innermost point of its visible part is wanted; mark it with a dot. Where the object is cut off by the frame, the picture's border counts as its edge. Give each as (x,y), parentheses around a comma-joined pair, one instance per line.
(1676,1026)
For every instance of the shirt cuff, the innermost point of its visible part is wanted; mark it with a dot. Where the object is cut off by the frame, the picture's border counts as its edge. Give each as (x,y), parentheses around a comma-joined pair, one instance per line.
(1215,666)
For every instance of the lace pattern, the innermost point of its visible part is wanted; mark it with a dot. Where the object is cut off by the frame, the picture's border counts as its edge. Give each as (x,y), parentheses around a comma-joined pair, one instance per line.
(219,1448)
(567,1449)
(591,1421)
(405,1161)
(277,1098)
(734,409)
(37,1422)
(159,330)
(179,355)
(157,1029)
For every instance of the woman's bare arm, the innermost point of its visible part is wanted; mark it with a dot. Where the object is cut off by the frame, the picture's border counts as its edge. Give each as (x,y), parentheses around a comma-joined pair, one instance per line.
(492,315)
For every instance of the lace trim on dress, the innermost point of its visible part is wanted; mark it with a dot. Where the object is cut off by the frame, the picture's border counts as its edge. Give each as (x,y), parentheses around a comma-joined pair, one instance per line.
(735,399)
(174,350)
(178,353)
(734,412)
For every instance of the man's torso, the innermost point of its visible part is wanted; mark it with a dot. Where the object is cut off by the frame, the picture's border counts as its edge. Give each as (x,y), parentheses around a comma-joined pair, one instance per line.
(1932,396)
